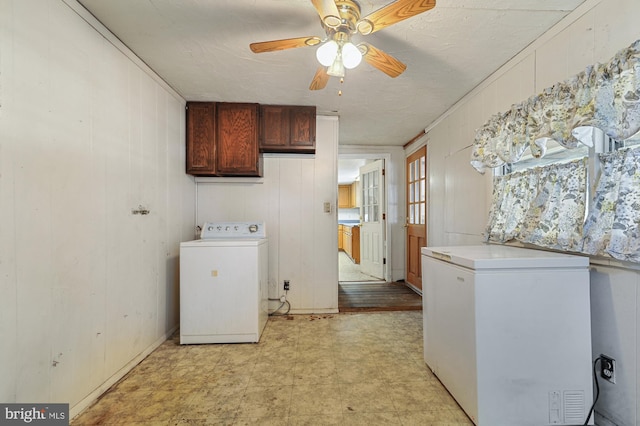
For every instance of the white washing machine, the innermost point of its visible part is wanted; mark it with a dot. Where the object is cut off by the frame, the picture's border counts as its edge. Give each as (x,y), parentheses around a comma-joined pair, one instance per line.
(224,284)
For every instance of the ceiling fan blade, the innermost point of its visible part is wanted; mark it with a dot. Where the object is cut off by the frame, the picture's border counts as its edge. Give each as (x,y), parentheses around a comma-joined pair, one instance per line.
(392,13)
(320,79)
(328,12)
(383,61)
(288,43)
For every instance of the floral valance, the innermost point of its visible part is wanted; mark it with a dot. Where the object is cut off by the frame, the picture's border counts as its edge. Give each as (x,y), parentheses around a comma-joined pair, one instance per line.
(606,96)
(544,206)
(612,227)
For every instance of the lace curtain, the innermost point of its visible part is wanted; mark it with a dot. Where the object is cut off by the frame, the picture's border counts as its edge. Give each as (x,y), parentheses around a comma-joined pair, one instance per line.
(544,206)
(606,96)
(612,226)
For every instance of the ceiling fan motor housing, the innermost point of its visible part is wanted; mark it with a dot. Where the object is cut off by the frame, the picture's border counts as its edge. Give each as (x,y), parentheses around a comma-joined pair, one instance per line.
(350,15)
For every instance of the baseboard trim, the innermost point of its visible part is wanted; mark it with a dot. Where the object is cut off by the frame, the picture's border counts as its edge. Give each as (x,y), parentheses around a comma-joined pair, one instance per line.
(313,311)
(106,385)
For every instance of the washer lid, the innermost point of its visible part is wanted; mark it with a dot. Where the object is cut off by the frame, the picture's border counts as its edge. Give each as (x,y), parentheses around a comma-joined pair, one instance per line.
(231,230)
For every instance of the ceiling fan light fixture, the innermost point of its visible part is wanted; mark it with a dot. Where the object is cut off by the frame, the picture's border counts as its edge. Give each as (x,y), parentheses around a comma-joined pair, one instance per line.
(351,56)
(327,53)
(337,67)
(341,20)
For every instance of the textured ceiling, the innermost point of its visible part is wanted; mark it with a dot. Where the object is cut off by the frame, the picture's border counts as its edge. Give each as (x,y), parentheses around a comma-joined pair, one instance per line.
(201,49)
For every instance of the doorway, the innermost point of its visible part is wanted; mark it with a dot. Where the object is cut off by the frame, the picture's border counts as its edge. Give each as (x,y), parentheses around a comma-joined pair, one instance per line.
(362,176)
(361,227)
(416,220)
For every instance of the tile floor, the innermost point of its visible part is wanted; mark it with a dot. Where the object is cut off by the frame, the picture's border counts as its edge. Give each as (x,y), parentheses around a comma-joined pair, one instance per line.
(349,271)
(344,369)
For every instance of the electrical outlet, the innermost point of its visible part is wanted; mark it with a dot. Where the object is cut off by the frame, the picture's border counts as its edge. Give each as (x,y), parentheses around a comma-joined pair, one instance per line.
(608,368)
(286,285)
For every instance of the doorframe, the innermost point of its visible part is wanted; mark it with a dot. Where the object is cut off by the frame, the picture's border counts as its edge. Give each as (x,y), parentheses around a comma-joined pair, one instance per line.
(386,156)
(407,213)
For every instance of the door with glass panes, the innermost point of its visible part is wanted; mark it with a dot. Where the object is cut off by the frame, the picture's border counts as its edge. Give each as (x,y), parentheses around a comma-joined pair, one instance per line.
(372,216)
(416,222)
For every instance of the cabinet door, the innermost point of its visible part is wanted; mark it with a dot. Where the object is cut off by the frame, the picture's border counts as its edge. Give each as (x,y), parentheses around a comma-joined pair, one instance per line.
(274,128)
(287,128)
(346,240)
(355,244)
(344,196)
(201,134)
(354,195)
(303,128)
(237,152)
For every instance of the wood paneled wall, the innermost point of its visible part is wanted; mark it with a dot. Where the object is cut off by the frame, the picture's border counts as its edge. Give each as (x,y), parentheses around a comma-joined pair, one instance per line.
(459,197)
(87,134)
(290,199)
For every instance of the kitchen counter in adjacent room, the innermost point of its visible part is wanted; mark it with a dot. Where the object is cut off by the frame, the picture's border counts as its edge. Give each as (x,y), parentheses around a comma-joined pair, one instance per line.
(349,240)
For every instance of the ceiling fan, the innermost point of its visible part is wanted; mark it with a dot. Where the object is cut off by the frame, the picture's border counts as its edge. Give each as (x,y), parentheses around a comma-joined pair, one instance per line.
(341,20)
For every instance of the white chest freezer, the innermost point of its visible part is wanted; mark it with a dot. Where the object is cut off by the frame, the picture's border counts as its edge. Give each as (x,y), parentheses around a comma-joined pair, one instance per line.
(508,332)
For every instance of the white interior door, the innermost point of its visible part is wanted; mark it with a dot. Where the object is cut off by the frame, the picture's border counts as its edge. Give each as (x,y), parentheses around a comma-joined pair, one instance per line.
(372,218)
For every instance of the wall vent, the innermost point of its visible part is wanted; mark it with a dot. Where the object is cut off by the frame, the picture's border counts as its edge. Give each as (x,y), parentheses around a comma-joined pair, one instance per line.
(574,407)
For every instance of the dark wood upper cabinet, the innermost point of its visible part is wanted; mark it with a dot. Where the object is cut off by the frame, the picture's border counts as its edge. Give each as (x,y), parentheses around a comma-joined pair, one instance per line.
(222,139)
(237,152)
(288,128)
(201,134)
(274,127)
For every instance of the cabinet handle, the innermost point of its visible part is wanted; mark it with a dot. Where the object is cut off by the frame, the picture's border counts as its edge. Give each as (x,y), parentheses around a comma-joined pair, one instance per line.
(441,256)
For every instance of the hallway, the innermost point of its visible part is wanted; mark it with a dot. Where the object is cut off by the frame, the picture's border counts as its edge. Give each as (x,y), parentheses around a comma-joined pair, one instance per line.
(358,292)
(349,271)
(377,296)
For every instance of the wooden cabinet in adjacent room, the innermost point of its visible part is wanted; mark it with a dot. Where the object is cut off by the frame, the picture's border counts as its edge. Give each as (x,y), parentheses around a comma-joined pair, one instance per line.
(344,196)
(355,244)
(222,139)
(288,128)
(346,240)
(351,242)
(354,195)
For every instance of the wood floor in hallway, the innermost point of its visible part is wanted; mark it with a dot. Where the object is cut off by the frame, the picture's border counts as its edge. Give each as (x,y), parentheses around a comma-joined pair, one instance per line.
(377,296)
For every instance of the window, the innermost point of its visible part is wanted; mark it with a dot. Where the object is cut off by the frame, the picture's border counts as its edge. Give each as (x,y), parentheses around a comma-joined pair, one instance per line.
(549,202)
(370,202)
(417,191)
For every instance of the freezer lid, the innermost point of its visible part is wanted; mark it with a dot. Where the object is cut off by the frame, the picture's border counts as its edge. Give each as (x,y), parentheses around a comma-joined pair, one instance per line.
(492,256)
